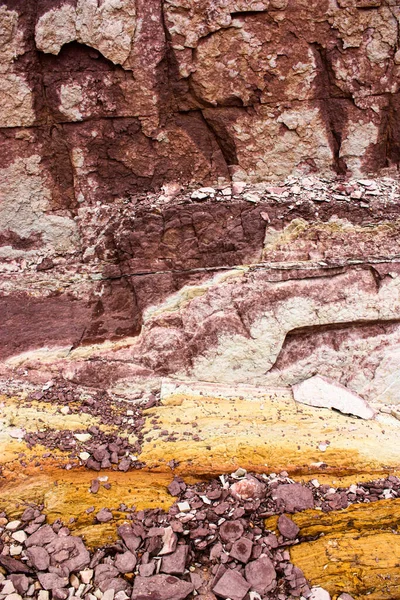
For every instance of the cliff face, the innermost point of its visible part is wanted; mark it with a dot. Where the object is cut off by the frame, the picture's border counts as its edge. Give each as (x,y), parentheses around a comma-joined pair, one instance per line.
(113,111)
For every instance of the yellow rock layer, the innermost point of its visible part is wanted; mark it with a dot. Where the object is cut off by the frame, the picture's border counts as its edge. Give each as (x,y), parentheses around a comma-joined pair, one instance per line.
(216,435)
(358,550)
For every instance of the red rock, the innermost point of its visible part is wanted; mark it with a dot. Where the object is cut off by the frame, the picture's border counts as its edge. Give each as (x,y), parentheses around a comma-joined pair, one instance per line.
(241,549)
(126,562)
(294,497)
(20,582)
(287,527)
(249,487)
(231,585)
(51,581)
(38,557)
(132,541)
(104,515)
(175,563)
(68,554)
(161,587)
(41,537)
(231,531)
(261,574)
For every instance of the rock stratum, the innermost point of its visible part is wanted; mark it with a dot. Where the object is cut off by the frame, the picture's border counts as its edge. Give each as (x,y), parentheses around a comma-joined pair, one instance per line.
(199,211)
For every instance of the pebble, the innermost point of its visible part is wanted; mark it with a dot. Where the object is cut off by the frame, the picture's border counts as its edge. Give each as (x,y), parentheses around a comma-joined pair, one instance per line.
(86,576)
(84,456)
(13,525)
(14,596)
(82,437)
(19,536)
(183,506)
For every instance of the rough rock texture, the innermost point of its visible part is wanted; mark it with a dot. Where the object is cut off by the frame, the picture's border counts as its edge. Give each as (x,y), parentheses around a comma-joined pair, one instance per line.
(112,113)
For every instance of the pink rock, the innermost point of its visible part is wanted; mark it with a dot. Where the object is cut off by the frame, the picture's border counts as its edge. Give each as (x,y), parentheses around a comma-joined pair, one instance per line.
(230,531)
(287,527)
(241,549)
(162,587)
(175,563)
(247,488)
(41,537)
(231,585)
(322,392)
(126,562)
(294,497)
(38,557)
(261,574)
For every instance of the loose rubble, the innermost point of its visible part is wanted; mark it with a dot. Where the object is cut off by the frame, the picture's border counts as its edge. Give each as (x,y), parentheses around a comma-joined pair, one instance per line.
(217,545)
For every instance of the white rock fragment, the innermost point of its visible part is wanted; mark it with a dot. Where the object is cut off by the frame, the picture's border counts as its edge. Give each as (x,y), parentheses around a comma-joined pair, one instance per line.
(84,455)
(251,197)
(239,473)
(321,392)
(64,410)
(13,525)
(16,433)
(318,593)
(8,587)
(14,596)
(183,506)
(86,575)
(82,437)
(15,550)
(19,536)
(238,187)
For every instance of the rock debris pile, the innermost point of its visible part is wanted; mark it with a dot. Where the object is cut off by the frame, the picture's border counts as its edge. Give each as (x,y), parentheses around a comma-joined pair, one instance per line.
(212,543)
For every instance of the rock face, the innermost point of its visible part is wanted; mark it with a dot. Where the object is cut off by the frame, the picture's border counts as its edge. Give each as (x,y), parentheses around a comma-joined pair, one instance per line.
(113,112)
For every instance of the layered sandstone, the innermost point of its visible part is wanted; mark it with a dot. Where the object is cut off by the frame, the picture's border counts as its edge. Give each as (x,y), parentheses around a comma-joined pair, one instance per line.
(199,209)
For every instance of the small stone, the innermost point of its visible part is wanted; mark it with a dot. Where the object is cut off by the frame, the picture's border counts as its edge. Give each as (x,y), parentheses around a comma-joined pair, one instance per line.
(183,506)
(197,195)
(230,531)
(13,596)
(162,587)
(44,535)
(238,187)
(38,557)
(8,587)
(345,596)
(16,433)
(294,496)
(126,562)
(86,576)
(43,595)
(82,437)
(20,582)
(249,487)
(287,527)
(174,488)
(65,410)
(19,536)
(241,549)
(231,585)
(104,515)
(13,525)
(108,595)
(15,550)
(261,574)
(175,563)
(318,593)
(84,456)
(239,473)
(51,581)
